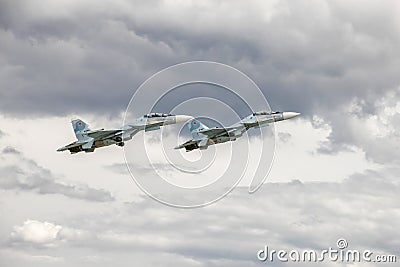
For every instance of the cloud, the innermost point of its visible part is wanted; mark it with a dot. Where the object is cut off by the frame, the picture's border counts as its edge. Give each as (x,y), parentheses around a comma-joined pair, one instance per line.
(231,231)
(20,173)
(304,65)
(376,132)
(10,150)
(33,231)
(317,60)
(45,234)
(21,258)
(292,215)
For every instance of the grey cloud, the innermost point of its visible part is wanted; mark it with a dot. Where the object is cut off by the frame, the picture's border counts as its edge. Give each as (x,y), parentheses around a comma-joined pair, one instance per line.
(340,57)
(287,216)
(375,133)
(20,173)
(119,168)
(10,150)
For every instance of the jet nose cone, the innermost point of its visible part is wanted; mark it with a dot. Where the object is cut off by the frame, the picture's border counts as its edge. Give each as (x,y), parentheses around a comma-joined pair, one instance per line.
(289,115)
(183,118)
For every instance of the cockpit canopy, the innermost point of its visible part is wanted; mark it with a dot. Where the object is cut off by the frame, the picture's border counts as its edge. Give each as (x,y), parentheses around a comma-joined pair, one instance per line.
(265,113)
(153,115)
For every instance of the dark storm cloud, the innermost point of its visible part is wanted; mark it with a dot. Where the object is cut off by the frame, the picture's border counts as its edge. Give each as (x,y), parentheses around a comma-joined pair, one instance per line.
(92,59)
(22,174)
(82,60)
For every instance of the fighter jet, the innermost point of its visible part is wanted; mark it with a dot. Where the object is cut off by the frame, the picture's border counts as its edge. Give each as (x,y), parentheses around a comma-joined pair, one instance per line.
(204,136)
(89,140)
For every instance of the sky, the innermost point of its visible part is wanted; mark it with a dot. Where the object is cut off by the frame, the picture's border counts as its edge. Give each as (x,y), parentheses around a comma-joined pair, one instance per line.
(335,172)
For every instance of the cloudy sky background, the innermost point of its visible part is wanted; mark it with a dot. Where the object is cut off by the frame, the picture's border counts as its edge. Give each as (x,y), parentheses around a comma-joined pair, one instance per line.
(336,168)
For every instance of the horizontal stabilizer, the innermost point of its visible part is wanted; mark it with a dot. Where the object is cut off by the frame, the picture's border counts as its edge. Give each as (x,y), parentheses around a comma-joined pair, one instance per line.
(89,144)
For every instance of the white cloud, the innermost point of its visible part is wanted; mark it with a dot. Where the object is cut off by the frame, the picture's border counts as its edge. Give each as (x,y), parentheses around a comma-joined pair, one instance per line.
(43,234)
(33,231)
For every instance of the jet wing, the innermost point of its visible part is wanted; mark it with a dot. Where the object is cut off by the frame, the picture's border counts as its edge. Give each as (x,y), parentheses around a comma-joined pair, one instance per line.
(155,122)
(93,135)
(216,132)
(74,144)
(188,145)
(103,134)
(154,125)
(149,125)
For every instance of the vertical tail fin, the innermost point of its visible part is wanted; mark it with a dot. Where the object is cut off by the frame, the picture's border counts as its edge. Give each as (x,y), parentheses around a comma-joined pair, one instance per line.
(80,129)
(195,128)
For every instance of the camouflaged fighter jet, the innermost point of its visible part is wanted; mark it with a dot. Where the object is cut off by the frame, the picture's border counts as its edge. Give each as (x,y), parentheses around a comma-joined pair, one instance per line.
(204,136)
(89,140)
